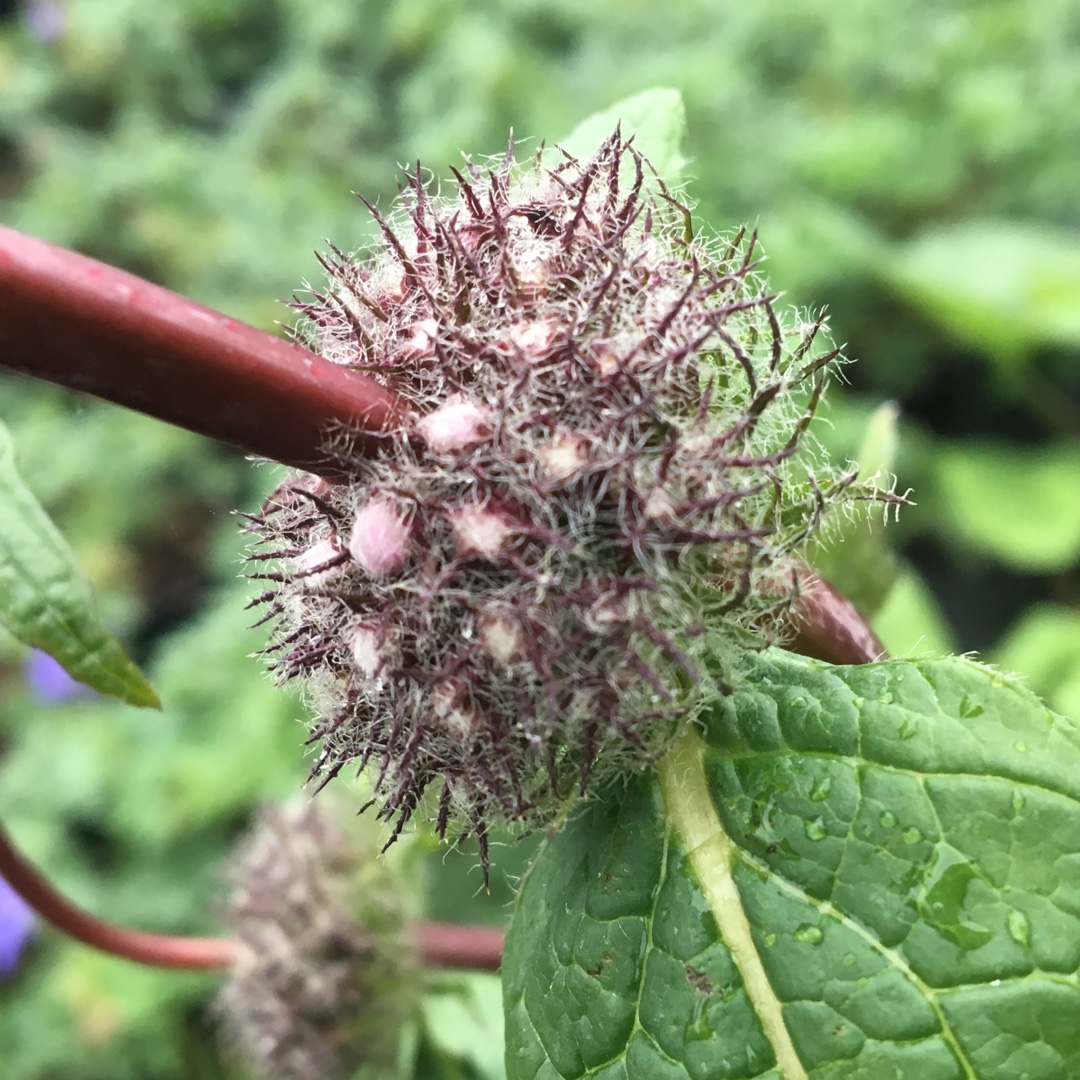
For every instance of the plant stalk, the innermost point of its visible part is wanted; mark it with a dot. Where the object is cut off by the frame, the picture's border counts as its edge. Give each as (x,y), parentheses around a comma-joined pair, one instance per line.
(157,950)
(76,322)
(439,945)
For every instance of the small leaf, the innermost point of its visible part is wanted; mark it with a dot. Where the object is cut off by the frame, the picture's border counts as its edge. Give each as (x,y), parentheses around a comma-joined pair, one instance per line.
(1015,504)
(853,555)
(1003,286)
(1044,647)
(845,873)
(910,622)
(463,1020)
(47,603)
(877,454)
(656,119)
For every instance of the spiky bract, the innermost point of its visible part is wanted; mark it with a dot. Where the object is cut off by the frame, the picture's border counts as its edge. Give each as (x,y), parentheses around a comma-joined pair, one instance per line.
(609,462)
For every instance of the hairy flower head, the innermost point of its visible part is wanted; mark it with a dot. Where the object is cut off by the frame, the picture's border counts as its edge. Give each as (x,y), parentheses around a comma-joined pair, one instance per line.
(605,480)
(320,984)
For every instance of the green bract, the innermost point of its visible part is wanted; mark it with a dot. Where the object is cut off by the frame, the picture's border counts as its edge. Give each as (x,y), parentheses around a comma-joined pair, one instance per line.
(862,872)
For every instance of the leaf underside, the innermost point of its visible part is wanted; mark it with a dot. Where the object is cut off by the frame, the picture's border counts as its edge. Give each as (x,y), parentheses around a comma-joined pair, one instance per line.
(904,845)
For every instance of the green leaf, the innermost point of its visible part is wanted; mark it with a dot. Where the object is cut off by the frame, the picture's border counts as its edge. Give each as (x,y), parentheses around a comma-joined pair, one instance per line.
(910,622)
(815,245)
(1001,285)
(657,120)
(463,1021)
(1015,504)
(853,554)
(1044,646)
(846,874)
(47,603)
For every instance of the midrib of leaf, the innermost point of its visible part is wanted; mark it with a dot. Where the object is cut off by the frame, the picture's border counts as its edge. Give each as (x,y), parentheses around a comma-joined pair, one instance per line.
(691,815)
(830,911)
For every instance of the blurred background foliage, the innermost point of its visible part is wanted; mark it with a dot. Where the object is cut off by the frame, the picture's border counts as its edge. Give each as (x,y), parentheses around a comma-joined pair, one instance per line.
(913,166)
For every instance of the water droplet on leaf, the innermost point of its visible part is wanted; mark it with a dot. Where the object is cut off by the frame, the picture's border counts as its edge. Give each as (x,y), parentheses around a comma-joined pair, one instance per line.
(1019,927)
(809,935)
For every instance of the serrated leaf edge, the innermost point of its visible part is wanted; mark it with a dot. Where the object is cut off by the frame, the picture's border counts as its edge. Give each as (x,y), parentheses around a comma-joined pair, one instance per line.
(691,815)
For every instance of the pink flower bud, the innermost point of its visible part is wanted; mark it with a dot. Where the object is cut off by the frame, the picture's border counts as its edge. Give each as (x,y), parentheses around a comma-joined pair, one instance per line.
(606,612)
(561,458)
(502,638)
(450,706)
(534,339)
(533,276)
(508,616)
(391,287)
(605,358)
(379,540)
(481,530)
(455,425)
(658,506)
(421,339)
(369,651)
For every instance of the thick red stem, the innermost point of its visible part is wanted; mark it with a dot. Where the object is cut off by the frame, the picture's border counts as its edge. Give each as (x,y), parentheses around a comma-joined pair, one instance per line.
(451,945)
(82,324)
(73,321)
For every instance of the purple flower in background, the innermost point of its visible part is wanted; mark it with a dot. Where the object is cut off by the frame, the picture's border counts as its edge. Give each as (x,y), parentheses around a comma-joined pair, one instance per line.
(45,19)
(48,681)
(16,926)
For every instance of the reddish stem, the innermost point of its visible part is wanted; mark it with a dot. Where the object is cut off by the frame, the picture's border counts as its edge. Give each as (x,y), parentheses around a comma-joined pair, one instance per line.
(74,321)
(829,627)
(443,945)
(82,324)
(452,945)
(154,949)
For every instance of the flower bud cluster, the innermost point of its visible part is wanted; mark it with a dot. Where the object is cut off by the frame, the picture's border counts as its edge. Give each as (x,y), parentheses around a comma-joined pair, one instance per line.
(316,991)
(607,472)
